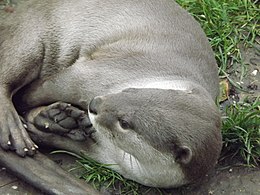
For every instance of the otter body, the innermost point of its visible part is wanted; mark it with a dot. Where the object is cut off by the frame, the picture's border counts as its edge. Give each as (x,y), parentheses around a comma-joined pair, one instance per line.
(149,68)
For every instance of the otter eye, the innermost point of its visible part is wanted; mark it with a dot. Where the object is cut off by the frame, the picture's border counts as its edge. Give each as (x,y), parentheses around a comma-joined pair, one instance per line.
(124,124)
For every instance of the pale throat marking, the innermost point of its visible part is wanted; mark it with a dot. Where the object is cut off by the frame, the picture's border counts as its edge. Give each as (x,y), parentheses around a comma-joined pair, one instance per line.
(180,85)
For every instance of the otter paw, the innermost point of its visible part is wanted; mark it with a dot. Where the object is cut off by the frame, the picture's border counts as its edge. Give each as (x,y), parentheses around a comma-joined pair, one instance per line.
(13,135)
(63,119)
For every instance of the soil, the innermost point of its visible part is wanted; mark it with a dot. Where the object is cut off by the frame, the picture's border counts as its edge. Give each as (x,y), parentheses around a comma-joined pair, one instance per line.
(227,179)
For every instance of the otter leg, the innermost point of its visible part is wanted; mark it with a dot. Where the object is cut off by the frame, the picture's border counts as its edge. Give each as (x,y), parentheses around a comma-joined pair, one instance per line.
(62,119)
(20,61)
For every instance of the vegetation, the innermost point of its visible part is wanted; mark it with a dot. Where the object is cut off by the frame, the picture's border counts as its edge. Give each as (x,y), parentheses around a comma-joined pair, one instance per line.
(228,25)
(241,131)
(100,175)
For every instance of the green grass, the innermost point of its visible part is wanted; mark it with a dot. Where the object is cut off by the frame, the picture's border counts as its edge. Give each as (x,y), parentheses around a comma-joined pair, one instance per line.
(241,131)
(228,24)
(101,175)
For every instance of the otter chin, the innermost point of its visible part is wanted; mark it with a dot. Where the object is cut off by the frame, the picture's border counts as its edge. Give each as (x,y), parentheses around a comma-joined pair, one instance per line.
(157,137)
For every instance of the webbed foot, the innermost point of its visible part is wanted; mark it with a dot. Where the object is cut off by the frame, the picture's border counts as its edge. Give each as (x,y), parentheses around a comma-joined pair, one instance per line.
(62,119)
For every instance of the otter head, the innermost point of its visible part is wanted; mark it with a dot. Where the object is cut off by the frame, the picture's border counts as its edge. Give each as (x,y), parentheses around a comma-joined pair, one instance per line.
(157,137)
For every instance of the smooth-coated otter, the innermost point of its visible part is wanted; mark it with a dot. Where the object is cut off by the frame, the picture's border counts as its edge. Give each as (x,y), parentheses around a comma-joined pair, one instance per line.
(147,64)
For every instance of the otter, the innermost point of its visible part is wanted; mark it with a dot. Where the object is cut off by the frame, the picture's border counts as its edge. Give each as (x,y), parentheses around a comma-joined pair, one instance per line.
(143,71)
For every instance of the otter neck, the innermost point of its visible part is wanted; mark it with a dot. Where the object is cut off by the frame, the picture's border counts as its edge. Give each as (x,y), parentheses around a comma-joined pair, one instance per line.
(159,83)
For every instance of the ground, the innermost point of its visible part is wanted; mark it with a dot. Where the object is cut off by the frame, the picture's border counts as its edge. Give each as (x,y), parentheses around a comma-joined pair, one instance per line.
(229,177)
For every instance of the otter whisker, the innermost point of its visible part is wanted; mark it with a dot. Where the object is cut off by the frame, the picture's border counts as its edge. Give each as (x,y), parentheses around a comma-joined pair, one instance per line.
(124,155)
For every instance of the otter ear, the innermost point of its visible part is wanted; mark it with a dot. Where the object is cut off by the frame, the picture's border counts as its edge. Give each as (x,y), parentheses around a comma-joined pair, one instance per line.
(183,155)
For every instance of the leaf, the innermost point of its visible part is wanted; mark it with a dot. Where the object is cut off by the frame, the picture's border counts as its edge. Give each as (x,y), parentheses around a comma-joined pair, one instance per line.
(224,90)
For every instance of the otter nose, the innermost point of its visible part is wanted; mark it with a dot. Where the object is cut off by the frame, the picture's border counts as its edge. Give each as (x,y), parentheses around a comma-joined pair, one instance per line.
(94,105)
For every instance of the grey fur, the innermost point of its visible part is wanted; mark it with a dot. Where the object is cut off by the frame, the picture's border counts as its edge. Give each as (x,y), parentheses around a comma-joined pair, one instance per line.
(74,51)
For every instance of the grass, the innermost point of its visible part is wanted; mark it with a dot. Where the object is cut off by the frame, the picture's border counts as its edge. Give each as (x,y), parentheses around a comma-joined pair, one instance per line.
(241,131)
(228,24)
(100,175)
